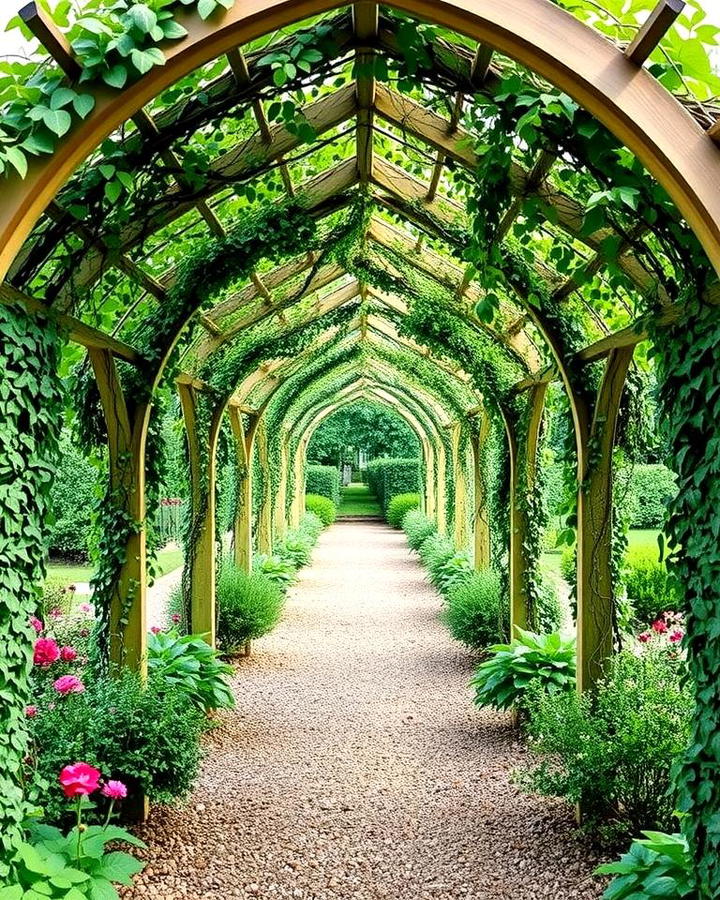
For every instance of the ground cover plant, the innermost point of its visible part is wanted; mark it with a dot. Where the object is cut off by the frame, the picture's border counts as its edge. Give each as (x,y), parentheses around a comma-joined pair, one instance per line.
(249,606)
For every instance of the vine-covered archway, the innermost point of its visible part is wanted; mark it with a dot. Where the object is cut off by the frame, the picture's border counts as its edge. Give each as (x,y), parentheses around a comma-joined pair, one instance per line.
(275,208)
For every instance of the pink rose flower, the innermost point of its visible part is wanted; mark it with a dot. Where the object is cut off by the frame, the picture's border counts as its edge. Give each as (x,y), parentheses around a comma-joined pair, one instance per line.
(676,636)
(644,637)
(36,624)
(155,629)
(115,790)
(31,711)
(45,652)
(68,654)
(79,779)
(175,618)
(56,612)
(85,608)
(69,684)
(659,626)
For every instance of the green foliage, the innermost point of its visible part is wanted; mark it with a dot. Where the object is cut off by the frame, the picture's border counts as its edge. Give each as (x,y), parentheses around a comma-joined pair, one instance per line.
(72,499)
(275,569)
(325,481)
(323,508)
(651,588)
(249,606)
(30,420)
(446,572)
(530,662)
(72,865)
(362,426)
(146,735)
(650,492)
(547,613)
(615,749)
(296,547)
(398,506)
(435,550)
(310,526)
(658,866)
(417,527)
(189,664)
(389,477)
(477,611)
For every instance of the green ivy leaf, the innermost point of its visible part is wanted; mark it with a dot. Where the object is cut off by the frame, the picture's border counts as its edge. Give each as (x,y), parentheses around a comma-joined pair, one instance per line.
(17,160)
(116,76)
(57,120)
(84,104)
(144,60)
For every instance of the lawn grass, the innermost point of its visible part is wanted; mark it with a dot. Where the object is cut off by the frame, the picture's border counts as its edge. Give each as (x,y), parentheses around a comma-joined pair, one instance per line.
(167,561)
(356,500)
(641,539)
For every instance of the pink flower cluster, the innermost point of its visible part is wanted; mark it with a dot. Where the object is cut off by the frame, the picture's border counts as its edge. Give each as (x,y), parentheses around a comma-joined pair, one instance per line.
(81,779)
(666,628)
(171,501)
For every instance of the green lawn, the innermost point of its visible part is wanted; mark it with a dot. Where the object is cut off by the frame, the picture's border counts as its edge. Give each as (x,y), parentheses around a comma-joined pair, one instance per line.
(168,561)
(641,539)
(356,500)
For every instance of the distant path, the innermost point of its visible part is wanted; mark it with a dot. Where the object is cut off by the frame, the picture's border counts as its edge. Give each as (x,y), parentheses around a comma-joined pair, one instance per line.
(355,765)
(356,500)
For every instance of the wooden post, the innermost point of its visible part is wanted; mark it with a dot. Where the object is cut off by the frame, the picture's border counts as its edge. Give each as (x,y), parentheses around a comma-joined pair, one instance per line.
(264,530)
(126,449)
(462,516)
(523,471)
(297,508)
(202,452)
(440,490)
(481,520)
(430,485)
(595,599)
(243,520)
(279,502)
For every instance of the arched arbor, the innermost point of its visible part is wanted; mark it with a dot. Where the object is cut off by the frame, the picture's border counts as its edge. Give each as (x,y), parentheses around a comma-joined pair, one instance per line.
(284,212)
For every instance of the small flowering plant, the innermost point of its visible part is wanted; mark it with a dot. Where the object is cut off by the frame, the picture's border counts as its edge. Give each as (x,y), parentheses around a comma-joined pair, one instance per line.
(666,632)
(76,864)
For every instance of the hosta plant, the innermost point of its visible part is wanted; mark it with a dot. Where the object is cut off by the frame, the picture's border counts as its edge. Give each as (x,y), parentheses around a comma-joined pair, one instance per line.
(189,663)
(657,866)
(539,661)
(280,571)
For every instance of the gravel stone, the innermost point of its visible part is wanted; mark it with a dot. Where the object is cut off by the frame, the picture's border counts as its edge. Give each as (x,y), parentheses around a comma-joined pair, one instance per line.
(355,765)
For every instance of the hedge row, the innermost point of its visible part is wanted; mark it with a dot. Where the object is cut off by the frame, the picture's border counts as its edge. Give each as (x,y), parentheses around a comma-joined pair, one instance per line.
(389,477)
(325,481)
(644,499)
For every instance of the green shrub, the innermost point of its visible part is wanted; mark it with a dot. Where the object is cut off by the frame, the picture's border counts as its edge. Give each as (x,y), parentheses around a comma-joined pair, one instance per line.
(568,565)
(56,596)
(445,573)
(146,735)
(325,481)
(435,549)
(389,477)
(417,527)
(72,501)
(398,506)
(311,526)
(651,588)
(249,605)
(477,611)
(659,866)
(323,508)
(651,489)
(190,664)
(280,571)
(530,662)
(296,548)
(615,748)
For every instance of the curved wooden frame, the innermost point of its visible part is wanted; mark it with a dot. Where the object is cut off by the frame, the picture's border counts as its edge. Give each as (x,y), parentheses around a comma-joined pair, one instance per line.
(625,98)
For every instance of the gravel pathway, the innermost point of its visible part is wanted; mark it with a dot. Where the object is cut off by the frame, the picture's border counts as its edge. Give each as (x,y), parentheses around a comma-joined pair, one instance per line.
(355,765)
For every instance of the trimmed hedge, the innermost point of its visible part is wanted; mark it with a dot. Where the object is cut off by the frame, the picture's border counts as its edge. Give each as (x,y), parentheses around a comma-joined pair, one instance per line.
(650,489)
(389,477)
(323,508)
(72,501)
(325,481)
(399,506)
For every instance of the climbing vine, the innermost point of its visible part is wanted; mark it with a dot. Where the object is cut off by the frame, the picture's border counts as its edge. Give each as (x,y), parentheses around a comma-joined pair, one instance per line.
(31,411)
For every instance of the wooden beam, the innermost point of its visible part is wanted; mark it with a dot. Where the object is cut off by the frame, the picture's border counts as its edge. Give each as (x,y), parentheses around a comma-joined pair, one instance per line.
(653,30)
(52,39)
(365,26)
(77,331)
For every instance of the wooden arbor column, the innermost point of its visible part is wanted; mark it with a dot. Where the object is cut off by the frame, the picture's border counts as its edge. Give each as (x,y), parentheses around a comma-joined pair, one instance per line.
(243,519)
(279,503)
(481,519)
(440,487)
(523,451)
(264,530)
(595,590)
(297,507)
(127,435)
(202,449)
(461,519)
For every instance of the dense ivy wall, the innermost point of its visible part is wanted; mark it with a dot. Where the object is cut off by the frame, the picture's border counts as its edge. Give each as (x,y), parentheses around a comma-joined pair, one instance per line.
(31,408)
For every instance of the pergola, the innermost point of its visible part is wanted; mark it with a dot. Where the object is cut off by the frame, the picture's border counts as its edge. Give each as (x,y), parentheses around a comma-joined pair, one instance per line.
(405,157)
